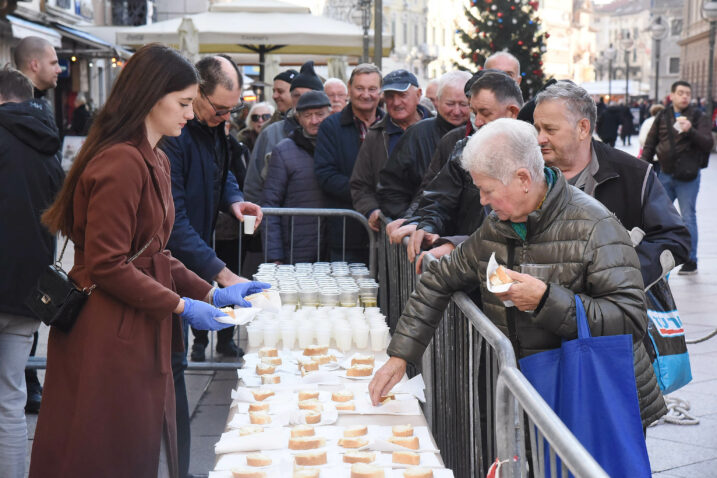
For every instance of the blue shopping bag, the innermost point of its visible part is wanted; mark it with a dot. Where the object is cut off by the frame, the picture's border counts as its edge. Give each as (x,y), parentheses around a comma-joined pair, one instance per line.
(590,384)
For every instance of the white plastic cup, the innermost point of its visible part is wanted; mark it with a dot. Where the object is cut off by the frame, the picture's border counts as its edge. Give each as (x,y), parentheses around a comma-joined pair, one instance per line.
(343,338)
(323,336)
(271,335)
(249,223)
(305,332)
(379,336)
(288,335)
(361,335)
(255,336)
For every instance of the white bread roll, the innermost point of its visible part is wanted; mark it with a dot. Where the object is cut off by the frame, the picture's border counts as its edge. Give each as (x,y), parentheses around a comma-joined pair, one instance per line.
(242,472)
(268,352)
(406,458)
(356,431)
(408,442)
(308,395)
(353,442)
(259,407)
(265,379)
(271,360)
(264,369)
(402,430)
(359,371)
(316,350)
(311,404)
(250,430)
(342,396)
(311,459)
(418,472)
(303,431)
(262,394)
(359,457)
(306,443)
(346,406)
(257,459)
(259,418)
(363,359)
(365,470)
(312,417)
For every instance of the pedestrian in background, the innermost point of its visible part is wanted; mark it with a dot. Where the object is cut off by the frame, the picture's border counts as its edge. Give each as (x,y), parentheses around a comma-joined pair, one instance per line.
(337,92)
(108,408)
(258,116)
(30,177)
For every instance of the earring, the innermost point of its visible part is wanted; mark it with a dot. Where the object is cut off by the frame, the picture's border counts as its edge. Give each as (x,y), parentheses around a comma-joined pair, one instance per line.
(526,190)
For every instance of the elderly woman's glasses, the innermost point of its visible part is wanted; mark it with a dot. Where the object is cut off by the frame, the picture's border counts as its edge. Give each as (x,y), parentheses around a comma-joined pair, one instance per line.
(224,111)
(264,117)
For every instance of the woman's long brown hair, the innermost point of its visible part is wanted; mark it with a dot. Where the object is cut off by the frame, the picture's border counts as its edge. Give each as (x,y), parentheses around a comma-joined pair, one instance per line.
(152,72)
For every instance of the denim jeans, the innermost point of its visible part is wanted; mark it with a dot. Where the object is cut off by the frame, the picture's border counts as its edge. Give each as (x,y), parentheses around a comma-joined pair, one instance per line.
(15,343)
(686,194)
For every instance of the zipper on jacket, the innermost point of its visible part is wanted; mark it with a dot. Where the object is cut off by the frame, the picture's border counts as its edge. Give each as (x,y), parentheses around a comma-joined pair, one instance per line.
(510,311)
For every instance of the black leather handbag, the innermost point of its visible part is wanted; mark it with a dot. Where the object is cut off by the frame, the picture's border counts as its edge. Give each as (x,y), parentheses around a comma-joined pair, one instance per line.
(56,299)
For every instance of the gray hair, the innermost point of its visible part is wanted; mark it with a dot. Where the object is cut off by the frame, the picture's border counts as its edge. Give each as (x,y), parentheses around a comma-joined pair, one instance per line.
(503,87)
(502,147)
(249,122)
(578,102)
(456,79)
(501,54)
(365,69)
(335,81)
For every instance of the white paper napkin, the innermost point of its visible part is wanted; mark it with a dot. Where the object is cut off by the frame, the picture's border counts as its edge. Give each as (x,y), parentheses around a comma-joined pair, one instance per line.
(492,266)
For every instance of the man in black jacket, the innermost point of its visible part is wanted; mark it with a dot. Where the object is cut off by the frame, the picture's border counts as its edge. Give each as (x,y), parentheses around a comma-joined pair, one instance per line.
(30,177)
(682,139)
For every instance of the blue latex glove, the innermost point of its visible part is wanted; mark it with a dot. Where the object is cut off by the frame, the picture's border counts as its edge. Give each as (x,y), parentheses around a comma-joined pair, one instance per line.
(234,294)
(201,315)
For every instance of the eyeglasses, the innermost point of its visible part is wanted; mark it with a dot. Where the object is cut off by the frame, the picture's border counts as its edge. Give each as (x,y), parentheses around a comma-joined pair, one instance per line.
(264,117)
(224,111)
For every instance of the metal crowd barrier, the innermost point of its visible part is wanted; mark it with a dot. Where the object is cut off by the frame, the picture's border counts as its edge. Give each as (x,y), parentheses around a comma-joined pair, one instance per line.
(464,367)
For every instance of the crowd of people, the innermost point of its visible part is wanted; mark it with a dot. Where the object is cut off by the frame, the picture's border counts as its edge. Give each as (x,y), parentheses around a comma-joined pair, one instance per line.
(464,170)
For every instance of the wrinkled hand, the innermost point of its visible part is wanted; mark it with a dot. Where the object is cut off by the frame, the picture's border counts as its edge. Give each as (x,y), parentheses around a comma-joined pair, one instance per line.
(385,378)
(202,316)
(437,252)
(374,219)
(525,293)
(248,208)
(234,294)
(419,239)
(393,225)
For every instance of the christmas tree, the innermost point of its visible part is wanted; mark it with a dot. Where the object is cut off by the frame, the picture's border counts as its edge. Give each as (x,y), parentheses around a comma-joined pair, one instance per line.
(505,25)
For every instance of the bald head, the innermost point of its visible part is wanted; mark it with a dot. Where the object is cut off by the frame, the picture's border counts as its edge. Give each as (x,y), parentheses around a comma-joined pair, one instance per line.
(506,63)
(218,70)
(36,58)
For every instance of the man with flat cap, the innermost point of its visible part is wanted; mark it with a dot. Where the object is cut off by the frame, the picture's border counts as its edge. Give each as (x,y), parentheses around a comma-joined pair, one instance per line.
(270,136)
(291,182)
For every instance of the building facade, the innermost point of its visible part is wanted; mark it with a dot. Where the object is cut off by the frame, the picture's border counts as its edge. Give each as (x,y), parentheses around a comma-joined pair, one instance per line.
(694,47)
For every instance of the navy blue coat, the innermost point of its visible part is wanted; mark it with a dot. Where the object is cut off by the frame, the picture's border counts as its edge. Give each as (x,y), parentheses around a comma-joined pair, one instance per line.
(337,146)
(192,156)
(291,183)
(30,177)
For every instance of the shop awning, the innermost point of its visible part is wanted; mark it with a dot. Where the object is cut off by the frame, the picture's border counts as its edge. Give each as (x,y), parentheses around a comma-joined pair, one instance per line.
(92,41)
(22,28)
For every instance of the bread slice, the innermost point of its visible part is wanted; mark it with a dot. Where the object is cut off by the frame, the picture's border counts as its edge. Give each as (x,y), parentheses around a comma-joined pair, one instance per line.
(311,404)
(260,407)
(324,359)
(257,459)
(342,396)
(387,398)
(265,369)
(303,431)
(316,350)
(312,417)
(307,473)
(259,418)
(271,360)
(408,442)
(356,442)
(346,406)
(308,395)
(366,470)
(359,371)
(418,472)
(363,359)
(229,311)
(268,352)
(243,472)
(356,431)
(306,443)
(499,277)
(359,457)
(262,394)
(406,458)
(311,459)
(273,379)
(308,366)
(402,430)
(250,430)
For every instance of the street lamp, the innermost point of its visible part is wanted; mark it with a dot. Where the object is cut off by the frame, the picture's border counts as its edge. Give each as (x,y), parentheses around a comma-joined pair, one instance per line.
(626,43)
(610,54)
(365,6)
(658,31)
(709,11)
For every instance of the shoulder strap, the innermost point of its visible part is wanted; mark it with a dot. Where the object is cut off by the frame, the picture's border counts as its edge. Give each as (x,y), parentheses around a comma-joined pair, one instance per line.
(164,210)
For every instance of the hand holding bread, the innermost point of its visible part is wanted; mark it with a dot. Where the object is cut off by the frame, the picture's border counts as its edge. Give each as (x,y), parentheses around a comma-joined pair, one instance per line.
(385,378)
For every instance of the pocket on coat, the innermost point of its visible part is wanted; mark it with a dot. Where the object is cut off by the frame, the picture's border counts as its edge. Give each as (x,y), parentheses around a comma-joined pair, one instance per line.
(127,324)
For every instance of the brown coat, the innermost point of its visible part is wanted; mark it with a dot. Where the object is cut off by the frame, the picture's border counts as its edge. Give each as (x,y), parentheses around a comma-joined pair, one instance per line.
(109,393)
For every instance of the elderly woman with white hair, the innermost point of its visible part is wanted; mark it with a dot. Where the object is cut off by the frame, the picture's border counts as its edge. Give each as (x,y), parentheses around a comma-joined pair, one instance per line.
(536,218)
(258,116)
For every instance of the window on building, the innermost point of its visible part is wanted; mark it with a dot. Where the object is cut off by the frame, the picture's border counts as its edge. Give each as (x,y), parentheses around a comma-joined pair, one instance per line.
(676,27)
(673,66)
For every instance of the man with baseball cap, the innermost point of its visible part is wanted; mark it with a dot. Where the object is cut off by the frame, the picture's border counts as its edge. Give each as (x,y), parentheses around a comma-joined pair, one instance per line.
(402,96)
